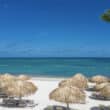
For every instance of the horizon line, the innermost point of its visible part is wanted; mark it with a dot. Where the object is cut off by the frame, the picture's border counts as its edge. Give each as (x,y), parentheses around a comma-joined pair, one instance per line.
(55,57)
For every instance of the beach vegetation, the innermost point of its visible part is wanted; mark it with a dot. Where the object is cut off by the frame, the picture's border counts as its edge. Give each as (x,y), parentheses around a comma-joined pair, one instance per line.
(106,16)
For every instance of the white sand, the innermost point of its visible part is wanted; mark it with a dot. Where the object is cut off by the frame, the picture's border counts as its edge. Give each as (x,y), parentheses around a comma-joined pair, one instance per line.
(45,86)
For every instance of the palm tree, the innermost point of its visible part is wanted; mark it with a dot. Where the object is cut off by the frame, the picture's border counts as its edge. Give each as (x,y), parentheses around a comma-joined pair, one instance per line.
(106,16)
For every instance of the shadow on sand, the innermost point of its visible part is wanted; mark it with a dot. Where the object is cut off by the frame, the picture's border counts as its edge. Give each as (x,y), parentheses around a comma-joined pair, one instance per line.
(98,97)
(91,90)
(100,108)
(10,103)
(57,108)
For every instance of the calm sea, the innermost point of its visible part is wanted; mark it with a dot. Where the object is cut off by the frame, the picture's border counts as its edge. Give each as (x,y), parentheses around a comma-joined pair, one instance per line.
(57,67)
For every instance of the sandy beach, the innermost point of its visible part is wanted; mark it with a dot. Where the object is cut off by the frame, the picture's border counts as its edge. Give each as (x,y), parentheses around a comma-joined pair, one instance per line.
(54,50)
(45,86)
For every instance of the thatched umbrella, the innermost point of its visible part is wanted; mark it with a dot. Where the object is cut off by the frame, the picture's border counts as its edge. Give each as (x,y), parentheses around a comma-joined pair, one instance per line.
(8,76)
(99,79)
(80,76)
(24,77)
(68,95)
(105,91)
(65,82)
(6,80)
(21,89)
(78,80)
(5,83)
(100,86)
(82,79)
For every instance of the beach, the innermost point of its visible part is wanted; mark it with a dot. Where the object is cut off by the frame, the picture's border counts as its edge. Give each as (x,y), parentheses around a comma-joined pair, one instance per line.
(54,55)
(41,99)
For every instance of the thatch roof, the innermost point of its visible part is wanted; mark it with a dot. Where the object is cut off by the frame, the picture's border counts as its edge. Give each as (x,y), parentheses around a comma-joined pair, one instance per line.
(24,77)
(68,95)
(99,79)
(78,80)
(8,76)
(100,86)
(21,89)
(105,91)
(7,80)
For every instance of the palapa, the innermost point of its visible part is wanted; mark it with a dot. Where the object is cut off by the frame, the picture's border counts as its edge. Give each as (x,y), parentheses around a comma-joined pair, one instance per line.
(99,79)
(6,80)
(78,80)
(68,95)
(24,77)
(21,89)
(105,91)
(100,86)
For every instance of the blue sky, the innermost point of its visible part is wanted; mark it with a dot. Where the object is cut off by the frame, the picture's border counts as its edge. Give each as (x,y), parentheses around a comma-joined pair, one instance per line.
(54,28)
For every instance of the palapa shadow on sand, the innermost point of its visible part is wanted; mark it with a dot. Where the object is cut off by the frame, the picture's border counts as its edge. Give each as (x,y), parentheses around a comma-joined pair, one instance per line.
(100,108)
(14,106)
(91,89)
(18,103)
(98,97)
(57,108)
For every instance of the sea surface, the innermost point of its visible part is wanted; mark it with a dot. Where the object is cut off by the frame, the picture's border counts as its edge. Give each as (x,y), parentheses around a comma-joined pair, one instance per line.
(55,67)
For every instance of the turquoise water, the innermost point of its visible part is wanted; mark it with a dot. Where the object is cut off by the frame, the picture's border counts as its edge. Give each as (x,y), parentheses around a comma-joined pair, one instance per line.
(58,67)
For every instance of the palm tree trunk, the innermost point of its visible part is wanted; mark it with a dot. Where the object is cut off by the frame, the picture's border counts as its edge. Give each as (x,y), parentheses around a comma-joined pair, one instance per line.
(68,106)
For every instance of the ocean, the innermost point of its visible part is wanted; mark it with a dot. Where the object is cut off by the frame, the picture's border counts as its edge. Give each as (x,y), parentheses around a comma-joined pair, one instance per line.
(55,67)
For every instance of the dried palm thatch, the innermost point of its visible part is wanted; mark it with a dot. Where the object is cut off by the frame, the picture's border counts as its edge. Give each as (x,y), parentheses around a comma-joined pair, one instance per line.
(5,83)
(6,80)
(105,91)
(21,89)
(8,76)
(100,86)
(67,82)
(78,80)
(99,79)
(81,78)
(24,77)
(68,95)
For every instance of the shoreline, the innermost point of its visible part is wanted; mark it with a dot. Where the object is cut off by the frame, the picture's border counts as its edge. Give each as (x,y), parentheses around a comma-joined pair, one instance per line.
(39,77)
(43,78)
